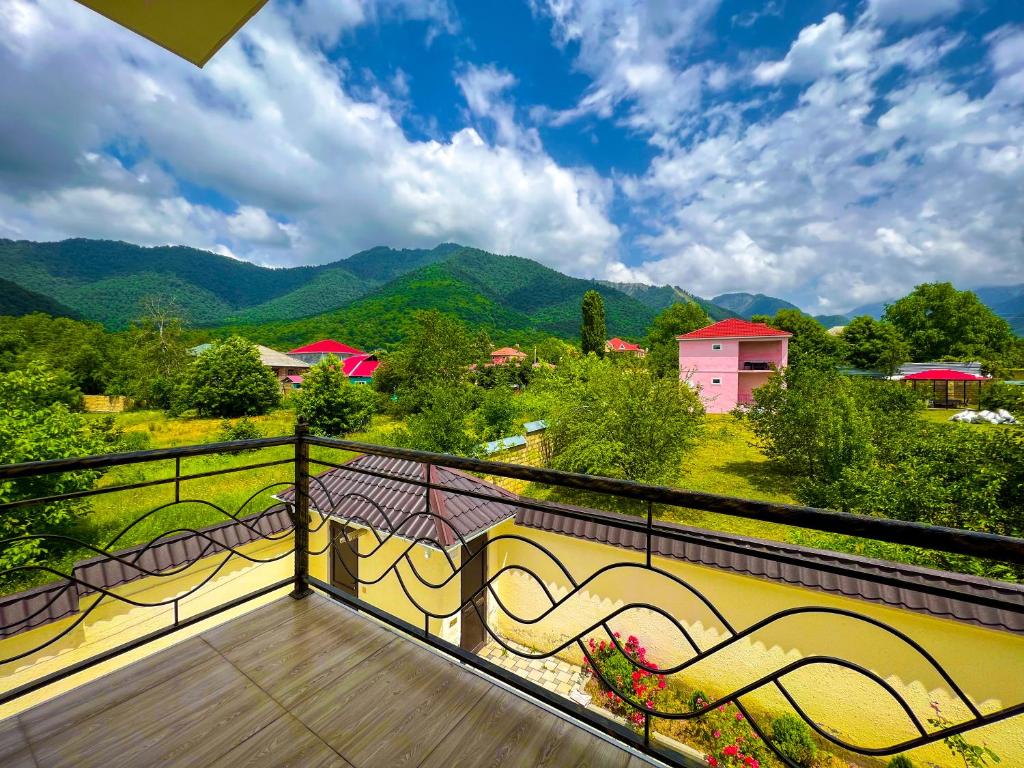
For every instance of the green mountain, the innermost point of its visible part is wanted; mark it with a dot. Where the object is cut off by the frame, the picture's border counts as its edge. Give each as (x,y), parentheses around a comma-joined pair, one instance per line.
(17,301)
(106,281)
(514,299)
(832,320)
(660,297)
(747,305)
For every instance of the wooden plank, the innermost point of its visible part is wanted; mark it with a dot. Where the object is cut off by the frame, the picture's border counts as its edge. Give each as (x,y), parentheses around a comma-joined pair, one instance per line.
(64,712)
(14,746)
(263,619)
(285,743)
(394,708)
(503,729)
(188,720)
(309,653)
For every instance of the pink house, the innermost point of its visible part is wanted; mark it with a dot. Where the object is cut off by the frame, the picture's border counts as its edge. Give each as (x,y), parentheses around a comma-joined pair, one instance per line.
(728,360)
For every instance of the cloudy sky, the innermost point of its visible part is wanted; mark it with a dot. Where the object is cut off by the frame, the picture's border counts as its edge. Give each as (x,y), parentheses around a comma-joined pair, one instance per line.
(831,153)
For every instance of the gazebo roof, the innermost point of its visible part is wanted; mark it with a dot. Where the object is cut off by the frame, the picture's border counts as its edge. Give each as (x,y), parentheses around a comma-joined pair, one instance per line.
(943,374)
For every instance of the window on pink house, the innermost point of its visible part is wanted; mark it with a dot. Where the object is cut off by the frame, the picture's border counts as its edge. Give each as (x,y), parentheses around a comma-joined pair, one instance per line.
(716,381)
(716,346)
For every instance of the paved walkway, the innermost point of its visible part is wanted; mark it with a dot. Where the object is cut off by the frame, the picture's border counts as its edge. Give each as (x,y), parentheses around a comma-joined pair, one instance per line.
(554,674)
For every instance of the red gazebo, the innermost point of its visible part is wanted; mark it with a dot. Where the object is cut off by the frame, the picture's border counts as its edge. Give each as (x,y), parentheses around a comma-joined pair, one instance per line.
(948,389)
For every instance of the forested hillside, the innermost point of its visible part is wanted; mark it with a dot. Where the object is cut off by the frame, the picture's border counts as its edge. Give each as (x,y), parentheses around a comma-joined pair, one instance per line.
(659,297)
(514,299)
(17,301)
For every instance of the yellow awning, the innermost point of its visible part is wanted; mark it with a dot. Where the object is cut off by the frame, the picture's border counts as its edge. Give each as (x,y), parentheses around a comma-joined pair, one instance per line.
(193,29)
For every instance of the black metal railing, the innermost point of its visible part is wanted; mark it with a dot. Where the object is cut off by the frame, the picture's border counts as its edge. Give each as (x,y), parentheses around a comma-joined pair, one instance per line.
(651,537)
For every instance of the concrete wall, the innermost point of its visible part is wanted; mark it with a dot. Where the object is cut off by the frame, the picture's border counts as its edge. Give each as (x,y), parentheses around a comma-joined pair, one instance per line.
(988,664)
(105,403)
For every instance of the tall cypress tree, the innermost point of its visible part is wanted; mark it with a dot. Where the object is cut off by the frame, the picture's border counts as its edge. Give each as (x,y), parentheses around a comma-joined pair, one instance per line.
(592,330)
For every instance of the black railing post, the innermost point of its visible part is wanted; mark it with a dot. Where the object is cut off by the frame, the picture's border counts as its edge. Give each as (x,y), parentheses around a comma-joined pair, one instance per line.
(300,587)
(650,521)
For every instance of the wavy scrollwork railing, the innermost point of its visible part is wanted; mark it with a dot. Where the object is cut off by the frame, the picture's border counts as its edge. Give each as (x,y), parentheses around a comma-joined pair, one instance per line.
(111,565)
(366,512)
(512,555)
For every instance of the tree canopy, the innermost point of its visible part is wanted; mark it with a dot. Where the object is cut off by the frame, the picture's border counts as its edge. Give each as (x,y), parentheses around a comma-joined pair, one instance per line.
(662,346)
(874,345)
(811,343)
(330,403)
(941,323)
(228,379)
(438,351)
(593,334)
(619,420)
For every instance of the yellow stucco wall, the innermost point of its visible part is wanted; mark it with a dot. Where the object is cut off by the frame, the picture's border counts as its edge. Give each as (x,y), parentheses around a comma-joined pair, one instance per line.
(113,623)
(987,664)
(387,593)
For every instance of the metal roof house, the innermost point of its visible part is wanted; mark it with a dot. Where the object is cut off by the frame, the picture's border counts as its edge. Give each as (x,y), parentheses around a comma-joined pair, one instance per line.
(318,350)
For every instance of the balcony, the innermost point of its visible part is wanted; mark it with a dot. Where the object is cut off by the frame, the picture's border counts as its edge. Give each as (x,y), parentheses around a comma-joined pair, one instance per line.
(398,609)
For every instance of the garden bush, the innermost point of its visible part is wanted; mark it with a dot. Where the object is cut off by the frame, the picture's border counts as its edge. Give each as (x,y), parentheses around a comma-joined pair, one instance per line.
(900,761)
(243,429)
(729,738)
(792,737)
(999,394)
(639,685)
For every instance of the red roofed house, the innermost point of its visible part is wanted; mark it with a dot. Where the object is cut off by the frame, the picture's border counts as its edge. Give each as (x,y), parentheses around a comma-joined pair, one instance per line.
(504,355)
(318,350)
(360,368)
(618,345)
(728,360)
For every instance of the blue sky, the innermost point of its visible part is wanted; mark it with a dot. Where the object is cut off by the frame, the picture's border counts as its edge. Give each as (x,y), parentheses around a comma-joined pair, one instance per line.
(831,153)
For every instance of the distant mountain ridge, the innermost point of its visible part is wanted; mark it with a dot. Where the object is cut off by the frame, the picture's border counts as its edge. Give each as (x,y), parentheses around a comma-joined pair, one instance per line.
(746,305)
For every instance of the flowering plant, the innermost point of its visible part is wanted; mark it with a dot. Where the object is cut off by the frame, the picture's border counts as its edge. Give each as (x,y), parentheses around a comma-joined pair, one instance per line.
(736,744)
(620,668)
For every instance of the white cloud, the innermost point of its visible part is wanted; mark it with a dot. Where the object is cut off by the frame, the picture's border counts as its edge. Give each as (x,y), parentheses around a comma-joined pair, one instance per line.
(911,11)
(822,49)
(317,172)
(632,50)
(856,193)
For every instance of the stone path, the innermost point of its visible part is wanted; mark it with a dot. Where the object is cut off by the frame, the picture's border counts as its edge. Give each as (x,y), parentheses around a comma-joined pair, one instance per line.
(554,674)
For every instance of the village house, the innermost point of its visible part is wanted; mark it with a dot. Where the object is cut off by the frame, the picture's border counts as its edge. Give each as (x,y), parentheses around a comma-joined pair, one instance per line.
(728,360)
(504,355)
(624,347)
(318,350)
(360,368)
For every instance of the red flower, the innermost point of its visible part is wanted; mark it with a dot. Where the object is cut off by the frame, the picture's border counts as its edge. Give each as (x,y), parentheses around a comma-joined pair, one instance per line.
(661,683)
(617,634)
(751,762)
(602,645)
(711,761)
(717,734)
(731,750)
(739,716)
(632,640)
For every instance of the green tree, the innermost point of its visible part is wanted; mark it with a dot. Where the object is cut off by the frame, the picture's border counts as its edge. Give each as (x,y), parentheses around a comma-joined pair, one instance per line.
(674,321)
(438,352)
(807,420)
(36,424)
(228,380)
(620,420)
(941,323)
(499,413)
(441,425)
(593,334)
(155,356)
(330,403)
(85,351)
(874,345)
(811,343)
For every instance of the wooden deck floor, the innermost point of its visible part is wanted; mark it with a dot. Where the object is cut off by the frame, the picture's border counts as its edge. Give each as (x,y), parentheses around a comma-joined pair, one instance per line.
(304,683)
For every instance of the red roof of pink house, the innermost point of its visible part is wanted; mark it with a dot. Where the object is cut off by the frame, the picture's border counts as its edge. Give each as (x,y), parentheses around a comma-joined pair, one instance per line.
(619,345)
(361,365)
(327,346)
(943,374)
(733,328)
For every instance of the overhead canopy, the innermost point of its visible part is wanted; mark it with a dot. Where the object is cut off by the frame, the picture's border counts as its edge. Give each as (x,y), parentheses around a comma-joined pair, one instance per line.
(193,29)
(943,374)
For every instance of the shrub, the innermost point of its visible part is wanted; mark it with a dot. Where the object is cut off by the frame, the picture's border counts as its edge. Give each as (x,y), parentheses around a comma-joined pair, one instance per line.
(792,737)
(639,685)
(732,741)
(134,441)
(900,761)
(243,429)
(999,394)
